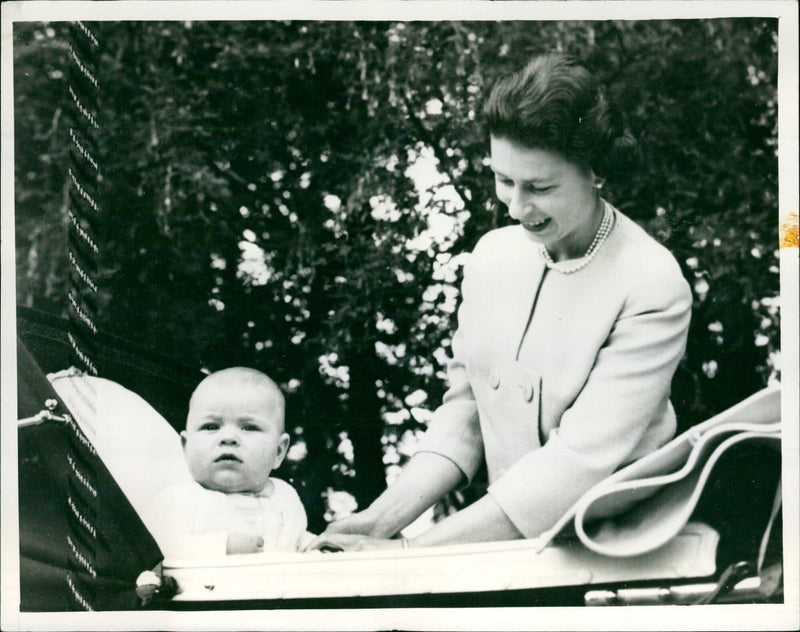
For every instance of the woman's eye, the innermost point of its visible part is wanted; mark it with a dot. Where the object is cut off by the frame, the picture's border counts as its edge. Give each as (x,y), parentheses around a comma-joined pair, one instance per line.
(534,189)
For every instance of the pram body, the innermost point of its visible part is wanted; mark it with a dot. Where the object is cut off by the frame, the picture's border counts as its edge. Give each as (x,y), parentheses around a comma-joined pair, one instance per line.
(497,573)
(687,567)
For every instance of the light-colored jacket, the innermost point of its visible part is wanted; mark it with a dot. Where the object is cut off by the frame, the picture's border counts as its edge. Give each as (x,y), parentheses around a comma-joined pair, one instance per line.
(558,379)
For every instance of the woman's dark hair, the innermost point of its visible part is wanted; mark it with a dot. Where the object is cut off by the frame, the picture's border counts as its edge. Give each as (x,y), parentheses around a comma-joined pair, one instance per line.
(555,103)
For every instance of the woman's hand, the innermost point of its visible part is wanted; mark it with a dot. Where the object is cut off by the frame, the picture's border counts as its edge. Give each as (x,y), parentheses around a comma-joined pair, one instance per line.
(424,480)
(350,542)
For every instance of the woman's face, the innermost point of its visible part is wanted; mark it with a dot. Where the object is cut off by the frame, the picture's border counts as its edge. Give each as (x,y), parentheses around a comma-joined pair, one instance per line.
(553,198)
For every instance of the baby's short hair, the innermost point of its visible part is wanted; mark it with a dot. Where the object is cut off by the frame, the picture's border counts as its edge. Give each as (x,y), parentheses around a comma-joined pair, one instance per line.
(244,376)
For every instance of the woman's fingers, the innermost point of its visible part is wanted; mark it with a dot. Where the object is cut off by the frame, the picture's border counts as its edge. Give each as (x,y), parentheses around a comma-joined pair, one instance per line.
(349,542)
(328,542)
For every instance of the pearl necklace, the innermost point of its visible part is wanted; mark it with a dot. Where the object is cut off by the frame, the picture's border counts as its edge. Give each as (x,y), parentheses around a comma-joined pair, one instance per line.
(599,239)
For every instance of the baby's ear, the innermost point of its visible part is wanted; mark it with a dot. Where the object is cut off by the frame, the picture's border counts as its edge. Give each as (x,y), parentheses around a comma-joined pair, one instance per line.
(183,439)
(280,452)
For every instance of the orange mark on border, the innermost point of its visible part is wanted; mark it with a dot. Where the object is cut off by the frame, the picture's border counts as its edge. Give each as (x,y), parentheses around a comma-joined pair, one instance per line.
(789,231)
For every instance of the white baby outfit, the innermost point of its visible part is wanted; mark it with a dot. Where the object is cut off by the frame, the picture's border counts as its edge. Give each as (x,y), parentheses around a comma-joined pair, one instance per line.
(191,521)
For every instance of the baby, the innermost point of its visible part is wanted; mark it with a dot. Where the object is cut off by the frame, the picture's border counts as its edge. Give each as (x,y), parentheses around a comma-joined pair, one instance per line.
(233,440)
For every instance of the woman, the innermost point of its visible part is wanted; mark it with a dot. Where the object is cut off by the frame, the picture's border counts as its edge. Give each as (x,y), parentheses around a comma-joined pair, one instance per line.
(571,326)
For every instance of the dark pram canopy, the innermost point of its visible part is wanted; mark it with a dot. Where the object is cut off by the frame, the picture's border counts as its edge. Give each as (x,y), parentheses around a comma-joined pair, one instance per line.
(82,545)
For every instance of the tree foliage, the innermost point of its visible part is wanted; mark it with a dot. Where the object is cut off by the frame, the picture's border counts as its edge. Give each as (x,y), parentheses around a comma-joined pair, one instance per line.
(295,196)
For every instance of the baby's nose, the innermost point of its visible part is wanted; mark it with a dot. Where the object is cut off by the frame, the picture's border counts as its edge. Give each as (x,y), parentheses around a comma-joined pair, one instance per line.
(228,437)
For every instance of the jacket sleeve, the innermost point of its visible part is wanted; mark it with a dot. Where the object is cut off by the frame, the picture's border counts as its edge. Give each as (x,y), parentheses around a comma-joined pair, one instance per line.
(627,388)
(454,429)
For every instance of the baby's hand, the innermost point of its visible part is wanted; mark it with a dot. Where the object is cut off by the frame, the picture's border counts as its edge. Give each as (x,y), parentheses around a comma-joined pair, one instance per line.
(239,543)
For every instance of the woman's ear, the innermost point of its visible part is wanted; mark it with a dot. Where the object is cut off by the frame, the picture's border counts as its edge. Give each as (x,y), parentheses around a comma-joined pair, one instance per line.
(597,181)
(280,452)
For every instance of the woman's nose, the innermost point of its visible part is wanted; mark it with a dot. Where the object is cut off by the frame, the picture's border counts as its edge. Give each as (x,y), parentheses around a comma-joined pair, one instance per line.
(517,204)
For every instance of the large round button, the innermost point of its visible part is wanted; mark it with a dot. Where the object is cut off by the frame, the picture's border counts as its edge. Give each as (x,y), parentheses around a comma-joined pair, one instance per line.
(526,388)
(494,378)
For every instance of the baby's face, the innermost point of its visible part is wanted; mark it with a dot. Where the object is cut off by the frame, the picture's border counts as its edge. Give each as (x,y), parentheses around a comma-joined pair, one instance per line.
(234,438)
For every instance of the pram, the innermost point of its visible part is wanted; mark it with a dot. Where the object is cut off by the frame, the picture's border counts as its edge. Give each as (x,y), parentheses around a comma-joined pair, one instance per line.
(92,451)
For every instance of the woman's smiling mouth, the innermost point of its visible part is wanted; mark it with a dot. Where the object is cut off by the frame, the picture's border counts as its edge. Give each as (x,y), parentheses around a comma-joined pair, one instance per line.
(536,227)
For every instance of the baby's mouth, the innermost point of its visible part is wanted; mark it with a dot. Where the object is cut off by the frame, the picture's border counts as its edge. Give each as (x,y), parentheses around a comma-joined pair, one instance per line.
(227,457)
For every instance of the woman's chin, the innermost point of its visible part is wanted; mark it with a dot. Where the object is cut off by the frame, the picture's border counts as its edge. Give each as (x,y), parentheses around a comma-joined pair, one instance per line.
(535,236)
(540,232)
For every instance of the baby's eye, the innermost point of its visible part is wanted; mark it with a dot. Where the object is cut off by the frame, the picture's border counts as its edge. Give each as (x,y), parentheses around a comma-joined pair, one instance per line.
(251,428)
(209,426)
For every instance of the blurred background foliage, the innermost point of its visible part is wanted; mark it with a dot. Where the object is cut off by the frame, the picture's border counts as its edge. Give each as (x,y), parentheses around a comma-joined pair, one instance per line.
(300,196)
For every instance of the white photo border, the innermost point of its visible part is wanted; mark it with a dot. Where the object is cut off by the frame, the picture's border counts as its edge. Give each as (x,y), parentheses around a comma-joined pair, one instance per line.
(755,617)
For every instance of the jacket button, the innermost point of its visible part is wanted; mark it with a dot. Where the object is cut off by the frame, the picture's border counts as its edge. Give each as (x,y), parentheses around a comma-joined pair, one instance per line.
(494,378)
(526,388)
